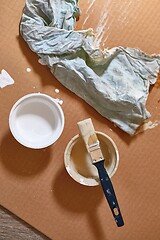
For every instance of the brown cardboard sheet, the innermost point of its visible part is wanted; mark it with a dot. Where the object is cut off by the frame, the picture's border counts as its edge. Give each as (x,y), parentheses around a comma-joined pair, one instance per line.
(34,183)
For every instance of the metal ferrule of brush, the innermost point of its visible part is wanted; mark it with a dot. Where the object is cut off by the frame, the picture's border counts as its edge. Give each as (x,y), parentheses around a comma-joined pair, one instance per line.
(95,152)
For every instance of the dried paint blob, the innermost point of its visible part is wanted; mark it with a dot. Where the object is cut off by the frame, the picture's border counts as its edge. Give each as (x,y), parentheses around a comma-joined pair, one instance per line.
(28,70)
(59,101)
(5,79)
(56,90)
(147,125)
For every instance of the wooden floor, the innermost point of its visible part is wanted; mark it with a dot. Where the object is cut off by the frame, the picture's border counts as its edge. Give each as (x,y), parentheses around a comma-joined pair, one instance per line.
(11,228)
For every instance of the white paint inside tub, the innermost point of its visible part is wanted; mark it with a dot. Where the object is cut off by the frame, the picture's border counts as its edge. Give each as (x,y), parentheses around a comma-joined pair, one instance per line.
(34,121)
(37,123)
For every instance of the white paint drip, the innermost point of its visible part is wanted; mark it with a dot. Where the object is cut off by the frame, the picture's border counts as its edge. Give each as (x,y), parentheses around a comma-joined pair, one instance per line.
(122,17)
(56,90)
(85,21)
(107,30)
(91,5)
(59,101)
(148,125)
(126,12)
(101,27)
(5,79)
(41,61)
(28,70)
(87,12)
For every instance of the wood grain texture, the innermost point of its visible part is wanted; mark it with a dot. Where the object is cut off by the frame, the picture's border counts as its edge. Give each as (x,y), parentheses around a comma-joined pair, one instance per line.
(11,228)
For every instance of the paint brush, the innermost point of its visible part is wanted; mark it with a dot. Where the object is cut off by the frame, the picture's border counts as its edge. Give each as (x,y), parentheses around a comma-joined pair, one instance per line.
(93,147)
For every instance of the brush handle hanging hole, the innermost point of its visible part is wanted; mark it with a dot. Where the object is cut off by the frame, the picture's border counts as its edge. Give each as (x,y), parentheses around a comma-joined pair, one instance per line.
(116,211)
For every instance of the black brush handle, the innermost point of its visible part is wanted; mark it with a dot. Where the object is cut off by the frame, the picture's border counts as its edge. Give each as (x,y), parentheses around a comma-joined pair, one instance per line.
(109,192)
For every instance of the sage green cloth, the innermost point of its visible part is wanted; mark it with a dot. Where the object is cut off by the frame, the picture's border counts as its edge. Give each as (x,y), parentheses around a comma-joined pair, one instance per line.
(115,82)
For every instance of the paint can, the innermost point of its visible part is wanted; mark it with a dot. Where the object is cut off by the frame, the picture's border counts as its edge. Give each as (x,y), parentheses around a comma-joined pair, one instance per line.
(78,162)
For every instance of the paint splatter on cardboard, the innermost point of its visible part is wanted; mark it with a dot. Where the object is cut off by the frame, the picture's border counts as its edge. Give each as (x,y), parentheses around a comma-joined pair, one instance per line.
(5,79)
